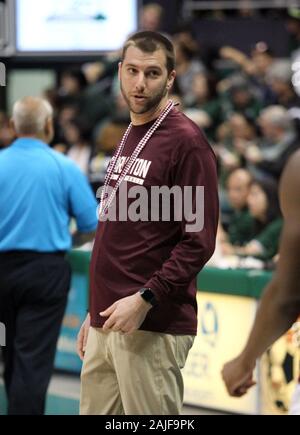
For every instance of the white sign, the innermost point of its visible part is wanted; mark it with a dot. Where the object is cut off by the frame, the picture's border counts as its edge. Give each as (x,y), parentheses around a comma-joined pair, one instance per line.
(74,25)
(224,323)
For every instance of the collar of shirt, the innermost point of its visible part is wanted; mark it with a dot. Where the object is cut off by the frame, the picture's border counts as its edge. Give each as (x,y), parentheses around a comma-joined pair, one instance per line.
(29,142)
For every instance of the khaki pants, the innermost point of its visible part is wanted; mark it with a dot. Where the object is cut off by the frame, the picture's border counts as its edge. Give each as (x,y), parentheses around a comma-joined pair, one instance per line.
(135,374)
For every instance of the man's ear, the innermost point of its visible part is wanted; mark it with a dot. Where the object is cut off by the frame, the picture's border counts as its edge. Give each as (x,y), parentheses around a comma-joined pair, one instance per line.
(171,79)
(49,130)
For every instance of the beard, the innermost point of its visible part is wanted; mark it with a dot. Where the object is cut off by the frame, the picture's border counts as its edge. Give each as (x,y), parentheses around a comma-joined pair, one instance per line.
(151,102)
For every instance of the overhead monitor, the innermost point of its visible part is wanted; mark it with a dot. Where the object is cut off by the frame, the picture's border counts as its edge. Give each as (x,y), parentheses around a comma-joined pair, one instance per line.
(73,27)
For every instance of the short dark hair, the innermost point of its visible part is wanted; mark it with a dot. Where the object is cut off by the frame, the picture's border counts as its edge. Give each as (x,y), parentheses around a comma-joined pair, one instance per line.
(149,42)
(270,187)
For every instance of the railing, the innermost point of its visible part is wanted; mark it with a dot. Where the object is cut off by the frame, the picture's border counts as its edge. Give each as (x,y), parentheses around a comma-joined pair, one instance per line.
(190,5)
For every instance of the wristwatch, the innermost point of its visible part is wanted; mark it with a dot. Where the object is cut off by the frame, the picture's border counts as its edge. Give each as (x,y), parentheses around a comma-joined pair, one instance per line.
(148,296)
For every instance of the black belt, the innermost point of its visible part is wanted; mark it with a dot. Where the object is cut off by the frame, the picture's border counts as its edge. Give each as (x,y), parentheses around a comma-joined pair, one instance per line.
(20,253)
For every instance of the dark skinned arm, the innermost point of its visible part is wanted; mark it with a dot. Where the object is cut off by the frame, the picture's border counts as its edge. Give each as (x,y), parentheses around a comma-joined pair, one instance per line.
(280,303)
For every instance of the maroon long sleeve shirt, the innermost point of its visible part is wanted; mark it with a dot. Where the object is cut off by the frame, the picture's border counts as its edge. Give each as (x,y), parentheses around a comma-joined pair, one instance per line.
(162,255)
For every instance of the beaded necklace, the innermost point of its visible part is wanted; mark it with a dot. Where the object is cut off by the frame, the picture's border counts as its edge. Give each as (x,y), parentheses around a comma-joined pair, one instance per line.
(106,202)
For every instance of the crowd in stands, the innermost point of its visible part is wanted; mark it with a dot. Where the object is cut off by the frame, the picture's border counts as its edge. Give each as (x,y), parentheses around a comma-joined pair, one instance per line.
(249,114)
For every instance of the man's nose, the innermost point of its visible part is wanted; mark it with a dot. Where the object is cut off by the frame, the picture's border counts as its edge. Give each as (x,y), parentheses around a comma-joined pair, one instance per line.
(140,82)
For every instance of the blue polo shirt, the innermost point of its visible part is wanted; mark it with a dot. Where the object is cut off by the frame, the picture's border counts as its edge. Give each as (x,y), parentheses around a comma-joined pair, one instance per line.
(40,190)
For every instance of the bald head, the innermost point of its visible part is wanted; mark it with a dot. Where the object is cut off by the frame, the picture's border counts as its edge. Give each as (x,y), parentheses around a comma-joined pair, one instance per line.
(275,122)
(277,116)
(32,116)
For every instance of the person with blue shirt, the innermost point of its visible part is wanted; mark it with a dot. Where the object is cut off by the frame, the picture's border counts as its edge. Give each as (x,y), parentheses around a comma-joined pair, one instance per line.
(40,191)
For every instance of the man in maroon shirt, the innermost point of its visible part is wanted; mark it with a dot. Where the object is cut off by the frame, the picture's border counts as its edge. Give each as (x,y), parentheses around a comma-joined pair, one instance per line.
(143,311)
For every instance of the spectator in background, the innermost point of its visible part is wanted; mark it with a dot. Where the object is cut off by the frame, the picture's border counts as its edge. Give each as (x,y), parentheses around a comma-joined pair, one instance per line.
(254,69)
(257,65)
(293,27)
(245,10)
(78,136)
(262,60)
(40,191)
(264,208)
(106,137)
(204,103)
(92,103)
(188,65)
(151,17)
(279,140)
(184,33)
(107,140)
(233,137)
(279,78)
(62,118)
(240,228)
(241,99)
(72,85)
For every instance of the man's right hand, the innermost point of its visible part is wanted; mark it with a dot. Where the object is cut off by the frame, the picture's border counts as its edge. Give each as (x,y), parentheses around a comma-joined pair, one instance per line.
(83,336)
(238,376)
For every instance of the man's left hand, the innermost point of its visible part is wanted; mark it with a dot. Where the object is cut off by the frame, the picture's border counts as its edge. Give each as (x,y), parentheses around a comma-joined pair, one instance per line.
(126,315)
